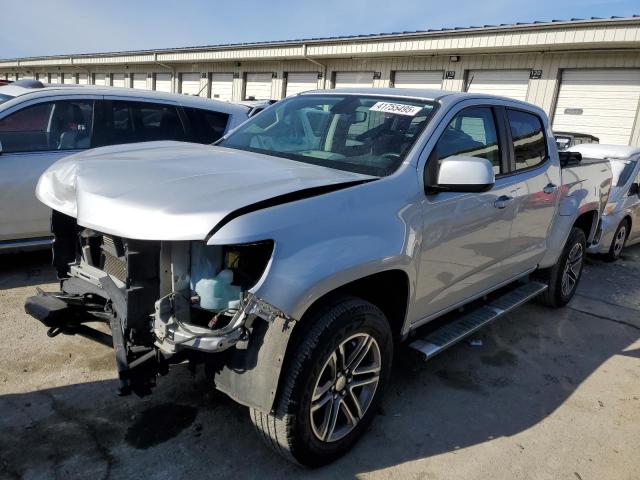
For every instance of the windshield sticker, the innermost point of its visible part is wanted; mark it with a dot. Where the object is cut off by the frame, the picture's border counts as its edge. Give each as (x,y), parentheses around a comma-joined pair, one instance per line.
(397,108)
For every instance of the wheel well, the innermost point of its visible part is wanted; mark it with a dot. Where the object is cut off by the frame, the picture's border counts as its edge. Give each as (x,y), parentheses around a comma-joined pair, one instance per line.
(586,223)
(628,219)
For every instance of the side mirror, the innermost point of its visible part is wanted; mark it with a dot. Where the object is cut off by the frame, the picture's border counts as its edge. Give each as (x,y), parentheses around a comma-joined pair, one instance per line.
(634,189)
(464,174)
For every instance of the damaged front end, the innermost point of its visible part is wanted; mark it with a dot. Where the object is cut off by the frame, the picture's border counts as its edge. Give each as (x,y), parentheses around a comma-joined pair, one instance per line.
(164,303)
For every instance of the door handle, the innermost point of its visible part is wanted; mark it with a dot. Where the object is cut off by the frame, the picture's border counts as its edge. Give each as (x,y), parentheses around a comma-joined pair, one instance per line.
(550,188)
(502,201)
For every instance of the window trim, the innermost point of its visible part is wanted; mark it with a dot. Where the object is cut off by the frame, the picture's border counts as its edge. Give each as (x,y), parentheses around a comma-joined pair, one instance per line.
(430,168)
(94,100)
(511,146)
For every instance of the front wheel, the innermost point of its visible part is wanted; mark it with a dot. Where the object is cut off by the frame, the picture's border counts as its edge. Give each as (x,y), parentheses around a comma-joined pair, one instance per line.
(619,240)
(562,279)
(332,385)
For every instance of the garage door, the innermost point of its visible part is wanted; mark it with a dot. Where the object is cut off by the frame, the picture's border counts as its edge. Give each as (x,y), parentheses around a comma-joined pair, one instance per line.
(118,79)
(354,80)
(190,83)
(598,102)
(140,81)
(83,78)
(258,86)
(99,78)
(163,82)
(506,83)
(222,86)
(301,82)
(69,78)
(43,77)
(55,78)
(431,79)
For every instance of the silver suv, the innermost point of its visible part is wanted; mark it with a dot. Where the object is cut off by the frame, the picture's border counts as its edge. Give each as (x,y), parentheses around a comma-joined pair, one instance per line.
(40,124)
(293,258)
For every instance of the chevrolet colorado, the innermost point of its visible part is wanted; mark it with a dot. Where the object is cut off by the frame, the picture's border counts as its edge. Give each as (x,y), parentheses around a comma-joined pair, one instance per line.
(293,257)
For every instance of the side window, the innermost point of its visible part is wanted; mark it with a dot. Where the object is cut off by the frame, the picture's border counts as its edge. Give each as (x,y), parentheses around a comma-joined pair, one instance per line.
(62,125)
(529,143)
(472,132)
(207,126)
(131,122)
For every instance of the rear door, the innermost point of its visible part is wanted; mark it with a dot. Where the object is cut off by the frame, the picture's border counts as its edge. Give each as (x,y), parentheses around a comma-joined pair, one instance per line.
(538,183)
(126,120)
(34,135)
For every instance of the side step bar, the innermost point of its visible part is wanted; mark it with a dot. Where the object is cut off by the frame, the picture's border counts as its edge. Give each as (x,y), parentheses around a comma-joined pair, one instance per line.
(471,321)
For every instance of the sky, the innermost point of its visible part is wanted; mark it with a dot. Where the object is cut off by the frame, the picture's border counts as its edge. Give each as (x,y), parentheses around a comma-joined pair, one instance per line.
(58,27)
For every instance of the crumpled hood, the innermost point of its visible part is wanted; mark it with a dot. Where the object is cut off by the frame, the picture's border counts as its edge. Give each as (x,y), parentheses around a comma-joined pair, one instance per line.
(171,190)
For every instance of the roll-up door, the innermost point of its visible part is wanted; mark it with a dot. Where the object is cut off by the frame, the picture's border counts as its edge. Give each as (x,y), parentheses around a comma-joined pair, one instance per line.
(426,79)
(354,80)
(69,78)
(163,82)
(603,103)
(190,83)
(140,81)
(258,86)
(83,78)
(55,78)
(99,78)
(301,82)
(222,86)
(118,79)
(506,83)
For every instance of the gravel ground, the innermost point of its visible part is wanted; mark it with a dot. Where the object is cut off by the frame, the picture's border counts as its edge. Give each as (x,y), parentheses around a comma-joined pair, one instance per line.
(550,394)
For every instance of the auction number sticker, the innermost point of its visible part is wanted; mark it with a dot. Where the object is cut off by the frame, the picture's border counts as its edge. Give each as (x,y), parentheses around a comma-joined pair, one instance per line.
(397,108)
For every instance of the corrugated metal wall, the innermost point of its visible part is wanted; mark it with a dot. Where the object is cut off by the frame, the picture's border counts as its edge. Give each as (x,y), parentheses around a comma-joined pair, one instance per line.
(223,73)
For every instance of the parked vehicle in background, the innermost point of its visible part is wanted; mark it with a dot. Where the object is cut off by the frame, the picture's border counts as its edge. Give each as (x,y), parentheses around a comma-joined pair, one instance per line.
(566,140)
(621,217)
(42,124)
(318,235)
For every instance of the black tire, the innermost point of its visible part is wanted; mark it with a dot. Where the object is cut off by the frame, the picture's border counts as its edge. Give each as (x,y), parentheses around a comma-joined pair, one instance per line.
(288,430)
(616,248)
(556,296)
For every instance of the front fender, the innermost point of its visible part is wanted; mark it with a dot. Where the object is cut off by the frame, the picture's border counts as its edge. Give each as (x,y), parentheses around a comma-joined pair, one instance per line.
(326,241)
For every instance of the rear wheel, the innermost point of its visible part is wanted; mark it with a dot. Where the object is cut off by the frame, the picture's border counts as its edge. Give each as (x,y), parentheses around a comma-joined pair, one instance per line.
(332,386)
(562,279)
(619,240)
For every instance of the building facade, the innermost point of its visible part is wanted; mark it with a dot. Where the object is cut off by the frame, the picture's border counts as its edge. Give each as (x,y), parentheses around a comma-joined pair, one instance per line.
(584,73)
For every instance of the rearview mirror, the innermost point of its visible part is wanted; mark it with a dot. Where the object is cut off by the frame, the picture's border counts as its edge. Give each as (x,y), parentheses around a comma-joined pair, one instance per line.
(464,174)
(359,116)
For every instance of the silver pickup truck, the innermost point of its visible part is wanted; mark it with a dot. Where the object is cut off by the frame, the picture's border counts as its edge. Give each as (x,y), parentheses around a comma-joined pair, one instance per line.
(293,257)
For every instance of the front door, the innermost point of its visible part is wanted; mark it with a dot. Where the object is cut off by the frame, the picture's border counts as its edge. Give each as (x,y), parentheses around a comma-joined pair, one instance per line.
(33,138)
(466,236)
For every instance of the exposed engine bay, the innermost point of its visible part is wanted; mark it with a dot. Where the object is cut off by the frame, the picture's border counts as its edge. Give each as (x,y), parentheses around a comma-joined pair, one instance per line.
(165,302)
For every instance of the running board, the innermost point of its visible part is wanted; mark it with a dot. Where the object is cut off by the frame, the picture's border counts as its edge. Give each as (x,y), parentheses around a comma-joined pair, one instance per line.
(469,322)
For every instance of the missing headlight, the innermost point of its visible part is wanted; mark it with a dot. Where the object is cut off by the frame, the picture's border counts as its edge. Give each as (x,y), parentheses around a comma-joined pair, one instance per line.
(219,274)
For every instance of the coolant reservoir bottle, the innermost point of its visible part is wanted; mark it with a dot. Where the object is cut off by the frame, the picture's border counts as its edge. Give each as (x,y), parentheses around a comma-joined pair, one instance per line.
(217,293)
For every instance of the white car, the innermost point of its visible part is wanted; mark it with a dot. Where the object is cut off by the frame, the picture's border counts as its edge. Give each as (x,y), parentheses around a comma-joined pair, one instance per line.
(40,124)
(619,225)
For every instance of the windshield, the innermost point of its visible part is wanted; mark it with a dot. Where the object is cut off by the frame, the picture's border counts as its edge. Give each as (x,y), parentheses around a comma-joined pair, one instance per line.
(357,133)
(622,170)
(4,98)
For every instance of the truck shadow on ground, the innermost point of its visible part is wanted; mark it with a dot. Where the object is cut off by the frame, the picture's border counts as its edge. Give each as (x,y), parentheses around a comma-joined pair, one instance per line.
(529,364)
(26,269)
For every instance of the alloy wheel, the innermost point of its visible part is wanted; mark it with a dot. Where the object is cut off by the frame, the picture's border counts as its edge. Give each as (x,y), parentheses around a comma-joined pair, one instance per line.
(345,387)
(618,241)
(572,269)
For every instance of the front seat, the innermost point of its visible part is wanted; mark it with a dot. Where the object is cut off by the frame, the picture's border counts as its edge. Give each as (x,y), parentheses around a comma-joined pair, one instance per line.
(74,131)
